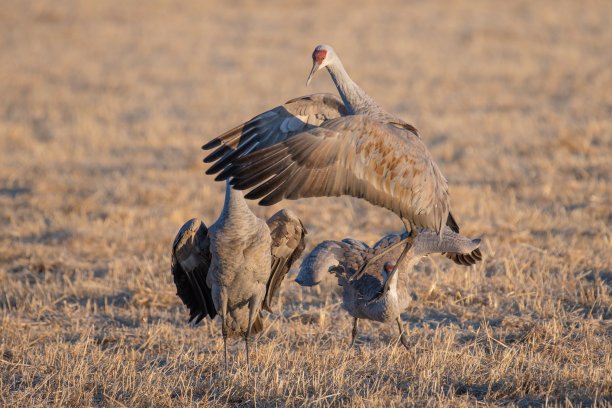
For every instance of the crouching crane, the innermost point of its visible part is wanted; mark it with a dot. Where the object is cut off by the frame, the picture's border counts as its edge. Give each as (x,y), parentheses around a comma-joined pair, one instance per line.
(344,258)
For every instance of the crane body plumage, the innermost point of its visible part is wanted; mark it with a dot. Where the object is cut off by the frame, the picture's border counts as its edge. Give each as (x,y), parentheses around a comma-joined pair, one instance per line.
(235,267)
(240,265)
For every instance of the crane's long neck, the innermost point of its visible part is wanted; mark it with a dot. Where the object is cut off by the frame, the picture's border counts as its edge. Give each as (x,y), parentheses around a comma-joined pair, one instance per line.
(392,282)
(356,100)
(235,206)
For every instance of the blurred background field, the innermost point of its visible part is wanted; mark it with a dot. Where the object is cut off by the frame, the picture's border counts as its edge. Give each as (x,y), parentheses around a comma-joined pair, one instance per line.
(104,107)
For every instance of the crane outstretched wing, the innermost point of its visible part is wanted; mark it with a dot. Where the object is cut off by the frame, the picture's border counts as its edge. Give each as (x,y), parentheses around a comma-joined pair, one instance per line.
(293,118)
(427,242)
(270,127)
(344,258)
(348,253)
(190,263)
(384,164)
(460,250)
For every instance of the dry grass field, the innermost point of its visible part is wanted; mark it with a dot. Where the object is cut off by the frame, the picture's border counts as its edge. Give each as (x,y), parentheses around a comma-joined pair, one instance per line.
(103,109)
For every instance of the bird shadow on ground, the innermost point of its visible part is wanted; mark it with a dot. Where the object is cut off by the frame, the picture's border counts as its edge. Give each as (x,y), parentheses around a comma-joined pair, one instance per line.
(14,192)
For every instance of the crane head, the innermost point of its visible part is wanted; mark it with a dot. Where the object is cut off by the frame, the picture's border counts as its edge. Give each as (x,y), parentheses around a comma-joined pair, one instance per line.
(387,269)
(321,57)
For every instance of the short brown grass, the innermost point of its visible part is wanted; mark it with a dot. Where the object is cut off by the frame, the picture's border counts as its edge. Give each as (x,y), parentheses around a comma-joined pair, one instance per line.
(105,104)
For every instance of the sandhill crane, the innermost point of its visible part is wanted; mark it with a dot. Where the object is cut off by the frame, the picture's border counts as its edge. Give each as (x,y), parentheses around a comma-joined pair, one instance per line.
(235,267)
(345,257)
(320,145)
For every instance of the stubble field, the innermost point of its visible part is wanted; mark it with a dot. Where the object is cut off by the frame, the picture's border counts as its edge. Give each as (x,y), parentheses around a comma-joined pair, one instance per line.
(103,111)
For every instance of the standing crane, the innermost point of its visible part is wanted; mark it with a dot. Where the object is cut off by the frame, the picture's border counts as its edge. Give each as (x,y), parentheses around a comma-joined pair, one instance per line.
(344,258)
(235,267)
(322,145)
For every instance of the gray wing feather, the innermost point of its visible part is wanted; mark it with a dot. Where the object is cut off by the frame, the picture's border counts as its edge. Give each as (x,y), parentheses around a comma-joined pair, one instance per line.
(344,258)
(288,241)
(270,127)
(458,248)
(354,155)
(317,263)
(327,255)
(428,242)
(190,262)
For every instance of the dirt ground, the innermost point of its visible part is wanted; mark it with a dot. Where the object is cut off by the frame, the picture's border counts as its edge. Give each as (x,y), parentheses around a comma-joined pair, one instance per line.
(103,109)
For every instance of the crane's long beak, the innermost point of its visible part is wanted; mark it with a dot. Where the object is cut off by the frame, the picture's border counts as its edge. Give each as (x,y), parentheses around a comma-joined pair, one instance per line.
(315,68)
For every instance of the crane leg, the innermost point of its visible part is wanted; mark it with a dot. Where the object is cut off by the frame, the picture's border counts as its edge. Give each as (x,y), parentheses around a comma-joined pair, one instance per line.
(224,330)
(367,263)
(354,333)
(403,338)
(248,331)
(385,288)
(225,349)
(246,342)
